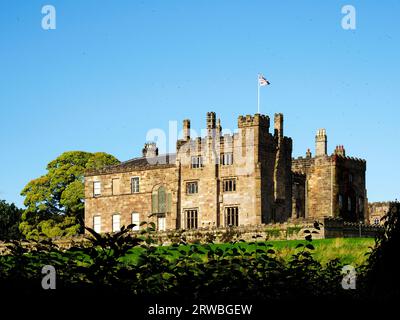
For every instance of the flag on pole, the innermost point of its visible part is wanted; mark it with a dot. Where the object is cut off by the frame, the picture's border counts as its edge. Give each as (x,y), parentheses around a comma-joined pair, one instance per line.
(262,81)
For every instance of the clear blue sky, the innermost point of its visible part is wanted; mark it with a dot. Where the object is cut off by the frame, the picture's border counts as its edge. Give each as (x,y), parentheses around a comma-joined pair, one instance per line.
(112,70)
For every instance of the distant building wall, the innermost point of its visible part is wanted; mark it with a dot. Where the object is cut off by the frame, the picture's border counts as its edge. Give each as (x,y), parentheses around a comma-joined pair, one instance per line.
(377,210)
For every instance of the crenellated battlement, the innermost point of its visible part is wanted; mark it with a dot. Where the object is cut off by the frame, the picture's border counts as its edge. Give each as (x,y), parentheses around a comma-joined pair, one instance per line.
(354,159)
(256,120)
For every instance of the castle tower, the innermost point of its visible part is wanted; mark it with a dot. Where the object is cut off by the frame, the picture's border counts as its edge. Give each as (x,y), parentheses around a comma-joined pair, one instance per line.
(321,143)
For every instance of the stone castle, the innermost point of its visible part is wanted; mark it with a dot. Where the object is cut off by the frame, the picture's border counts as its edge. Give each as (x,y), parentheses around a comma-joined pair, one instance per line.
(245,178)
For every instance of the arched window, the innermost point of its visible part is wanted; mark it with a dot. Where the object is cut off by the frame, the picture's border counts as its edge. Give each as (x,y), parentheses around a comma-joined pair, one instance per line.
(160,200)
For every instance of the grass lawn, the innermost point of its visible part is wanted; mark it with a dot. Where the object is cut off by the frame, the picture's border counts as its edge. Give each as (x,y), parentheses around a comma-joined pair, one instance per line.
(348,250)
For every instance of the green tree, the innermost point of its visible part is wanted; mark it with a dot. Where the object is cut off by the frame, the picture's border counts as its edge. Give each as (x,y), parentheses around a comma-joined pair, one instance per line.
(10,217)
(55,201)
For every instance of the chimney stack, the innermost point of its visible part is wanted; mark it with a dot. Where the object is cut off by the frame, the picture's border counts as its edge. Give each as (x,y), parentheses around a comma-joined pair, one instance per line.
(150,150)
(340,151)
(321,143)
(186,129)
(211,124)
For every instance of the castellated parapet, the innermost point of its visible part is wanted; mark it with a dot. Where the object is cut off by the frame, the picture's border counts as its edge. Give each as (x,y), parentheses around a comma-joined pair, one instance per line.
(251,121)
(217,180)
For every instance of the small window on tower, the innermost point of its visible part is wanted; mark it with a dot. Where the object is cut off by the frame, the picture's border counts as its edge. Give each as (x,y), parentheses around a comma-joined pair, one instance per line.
(229,185)
(227,159)
(197,162)
(192,187)
(191,217)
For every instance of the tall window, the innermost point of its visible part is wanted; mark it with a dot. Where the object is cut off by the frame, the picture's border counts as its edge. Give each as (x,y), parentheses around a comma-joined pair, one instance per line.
(229,185)
(115,186)
(349,203)
(232,216)
(135,184)
(361,204)
(192,187)
(197,162)
(116,223)
(97,224)
(340,201)
(191,219)
(161,200)
(227,159)
(96,188)
(136,221)
(376,221)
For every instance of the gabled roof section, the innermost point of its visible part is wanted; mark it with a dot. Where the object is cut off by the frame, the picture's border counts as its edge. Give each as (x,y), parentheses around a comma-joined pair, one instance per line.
(140,163)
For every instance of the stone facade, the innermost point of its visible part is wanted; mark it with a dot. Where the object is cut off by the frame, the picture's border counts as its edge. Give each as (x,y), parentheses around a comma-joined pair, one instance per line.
(330,185)
(377,210)
(245,178)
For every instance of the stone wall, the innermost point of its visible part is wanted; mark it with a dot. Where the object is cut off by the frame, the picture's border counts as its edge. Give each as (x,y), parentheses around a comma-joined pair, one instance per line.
(338,228)
(334,186)
(124,202)
(377,210)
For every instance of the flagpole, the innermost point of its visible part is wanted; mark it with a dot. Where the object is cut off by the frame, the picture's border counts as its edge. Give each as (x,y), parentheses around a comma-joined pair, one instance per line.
(258,93)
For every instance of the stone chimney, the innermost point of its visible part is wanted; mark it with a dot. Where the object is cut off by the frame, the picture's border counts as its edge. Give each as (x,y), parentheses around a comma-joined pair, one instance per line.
(308,154)
(219,128)
(321,143)
(340,151)
(186,129)
(211,124)
(150,150)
